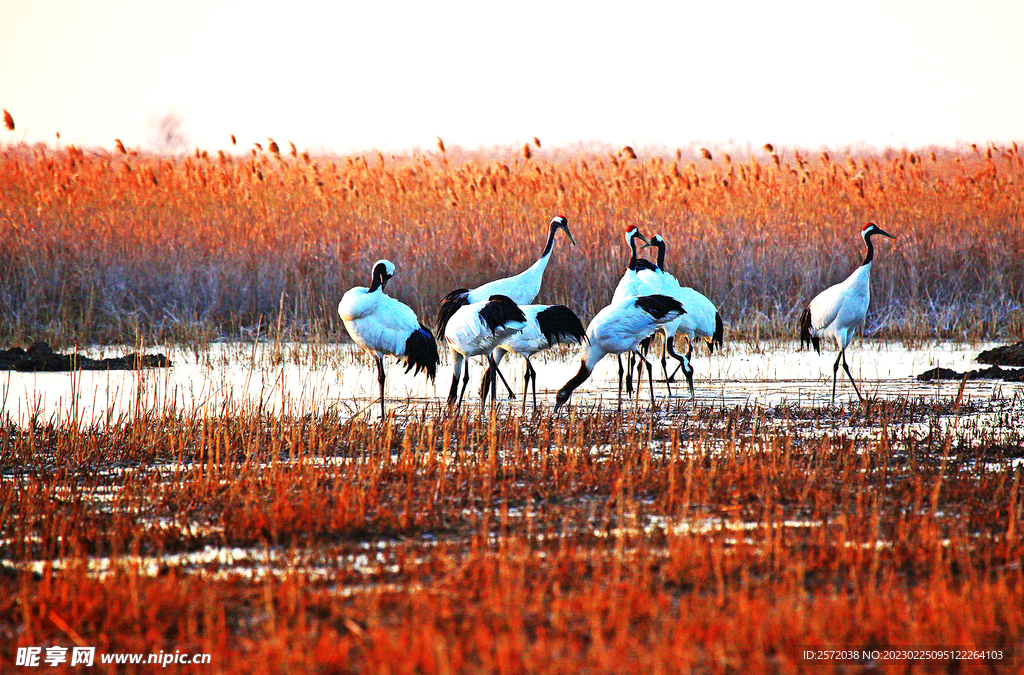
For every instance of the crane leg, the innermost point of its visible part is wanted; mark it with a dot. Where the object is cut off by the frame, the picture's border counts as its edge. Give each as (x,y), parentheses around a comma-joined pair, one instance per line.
(511,394)
(854,382)
(667,349)
(526,385)
(465,381)
(494,381)
(835,371)
(485,382)
(684,363)
(380,381)
(619,357)
(629,378)
(533,383)
(457,369)
(489,373)
(497,362)
(689,355)
(650,376)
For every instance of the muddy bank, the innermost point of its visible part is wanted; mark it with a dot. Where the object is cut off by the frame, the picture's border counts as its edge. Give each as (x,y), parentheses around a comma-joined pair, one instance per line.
(40,358)
(993,373)
(1009,355)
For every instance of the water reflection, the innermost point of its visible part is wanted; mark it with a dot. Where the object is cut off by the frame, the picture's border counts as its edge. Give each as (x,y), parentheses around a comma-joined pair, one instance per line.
(298,379)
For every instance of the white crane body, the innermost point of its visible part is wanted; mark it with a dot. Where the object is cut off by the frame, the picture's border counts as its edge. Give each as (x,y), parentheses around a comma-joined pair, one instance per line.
(619,328)
(521,288)
(384,326)
(701,320)
(476,329)
(546,326)
(838,311)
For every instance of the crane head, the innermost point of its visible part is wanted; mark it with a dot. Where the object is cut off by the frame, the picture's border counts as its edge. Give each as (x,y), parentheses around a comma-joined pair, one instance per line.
(871,229)
(383,269)
(632,232)
(657,241)
(562,223)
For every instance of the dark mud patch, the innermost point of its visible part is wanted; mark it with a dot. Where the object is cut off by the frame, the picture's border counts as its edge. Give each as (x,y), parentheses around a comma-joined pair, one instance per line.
(993,373)
(40,358)
(1008,355)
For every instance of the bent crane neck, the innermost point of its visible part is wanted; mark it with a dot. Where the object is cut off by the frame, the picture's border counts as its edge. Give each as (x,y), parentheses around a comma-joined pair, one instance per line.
(592,353)
(871,252)
(579,378)
(377,283)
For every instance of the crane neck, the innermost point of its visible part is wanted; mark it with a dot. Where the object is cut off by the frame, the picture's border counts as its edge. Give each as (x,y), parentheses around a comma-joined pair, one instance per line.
(579,378)
(377,282)
(551,241)
(661,255)
(632,254)
(871,251)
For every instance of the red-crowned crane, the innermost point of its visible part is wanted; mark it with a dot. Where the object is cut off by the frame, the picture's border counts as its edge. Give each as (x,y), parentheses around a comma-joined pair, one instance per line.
(475,330)
(630,286)
(522,288)
(546,326)
(701,319)
(619,328)
(382,325)
(839,310)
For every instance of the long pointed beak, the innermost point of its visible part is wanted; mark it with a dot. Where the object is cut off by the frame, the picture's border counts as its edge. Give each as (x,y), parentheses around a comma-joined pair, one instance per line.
(571,238)
(884,233)
(643,239)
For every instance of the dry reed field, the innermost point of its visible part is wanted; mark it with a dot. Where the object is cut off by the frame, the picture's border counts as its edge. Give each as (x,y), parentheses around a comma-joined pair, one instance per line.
(703,540)
(684,537)
(106,247)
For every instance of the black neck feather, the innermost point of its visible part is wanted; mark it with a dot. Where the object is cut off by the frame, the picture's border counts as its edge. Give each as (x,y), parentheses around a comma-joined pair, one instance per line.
(551,239)
(378,279)
(632,253)
(577,379)
(871,250)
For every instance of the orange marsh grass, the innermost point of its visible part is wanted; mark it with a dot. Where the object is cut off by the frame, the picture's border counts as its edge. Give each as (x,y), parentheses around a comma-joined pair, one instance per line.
(728,540)
(103,247)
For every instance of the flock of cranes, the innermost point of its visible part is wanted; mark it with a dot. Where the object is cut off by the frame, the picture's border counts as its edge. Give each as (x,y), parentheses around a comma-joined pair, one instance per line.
(497,318)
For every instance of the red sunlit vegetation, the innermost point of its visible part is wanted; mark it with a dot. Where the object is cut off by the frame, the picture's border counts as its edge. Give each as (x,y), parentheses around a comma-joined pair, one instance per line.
(107,246)
(727,541)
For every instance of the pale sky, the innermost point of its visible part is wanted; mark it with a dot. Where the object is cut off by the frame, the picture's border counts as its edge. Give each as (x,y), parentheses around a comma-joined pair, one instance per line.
(344,76)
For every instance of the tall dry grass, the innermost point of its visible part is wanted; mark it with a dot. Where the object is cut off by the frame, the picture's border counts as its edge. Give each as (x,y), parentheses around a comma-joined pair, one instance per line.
(729,540)
(99,246)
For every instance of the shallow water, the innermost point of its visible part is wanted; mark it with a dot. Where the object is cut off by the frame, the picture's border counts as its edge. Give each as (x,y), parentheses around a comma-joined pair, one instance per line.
(301,379)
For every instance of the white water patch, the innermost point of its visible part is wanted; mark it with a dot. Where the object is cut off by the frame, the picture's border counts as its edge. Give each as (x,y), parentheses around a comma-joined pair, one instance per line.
(224,381)
(297,379)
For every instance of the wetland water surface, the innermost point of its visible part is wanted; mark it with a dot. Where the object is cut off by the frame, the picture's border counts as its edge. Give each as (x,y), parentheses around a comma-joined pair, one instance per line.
(259,480)
(301,379)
